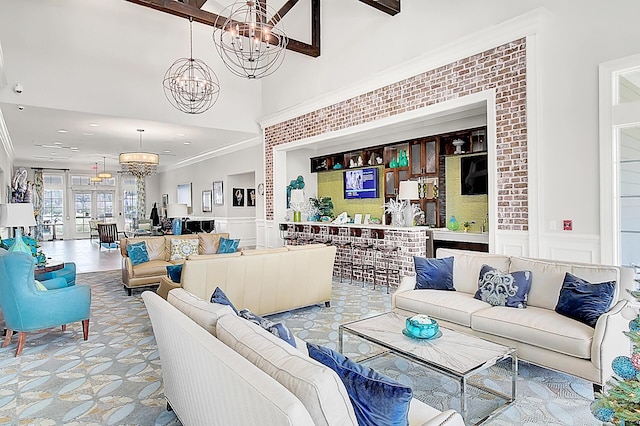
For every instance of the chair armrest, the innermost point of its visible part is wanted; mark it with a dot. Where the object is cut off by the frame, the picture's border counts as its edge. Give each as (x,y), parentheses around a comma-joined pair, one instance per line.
(54,283)
(609,339)
(407,283)
(446,418)
(51,308)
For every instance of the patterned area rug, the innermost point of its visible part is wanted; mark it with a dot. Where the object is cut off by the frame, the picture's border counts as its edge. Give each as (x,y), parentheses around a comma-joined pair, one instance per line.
(115,377)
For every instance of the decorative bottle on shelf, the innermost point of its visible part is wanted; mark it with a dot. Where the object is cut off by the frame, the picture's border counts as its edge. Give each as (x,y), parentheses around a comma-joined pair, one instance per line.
(453,224)
(403,161)
(393,163)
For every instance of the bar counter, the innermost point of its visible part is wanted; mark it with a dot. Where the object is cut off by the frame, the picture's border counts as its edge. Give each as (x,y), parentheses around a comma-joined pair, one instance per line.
(411,241)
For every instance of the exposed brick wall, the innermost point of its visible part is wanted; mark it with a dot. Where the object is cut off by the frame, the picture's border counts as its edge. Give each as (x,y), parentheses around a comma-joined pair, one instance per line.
(502,68)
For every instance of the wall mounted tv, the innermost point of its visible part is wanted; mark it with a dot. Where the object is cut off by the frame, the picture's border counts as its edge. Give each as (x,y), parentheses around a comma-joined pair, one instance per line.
(361,183)
(473,176)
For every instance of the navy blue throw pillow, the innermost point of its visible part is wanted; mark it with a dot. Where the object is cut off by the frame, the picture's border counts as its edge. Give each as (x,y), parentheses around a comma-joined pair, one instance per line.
(376,398)
(277,329)
(500,289)
(434,274)
(582,301)
(174,272)
(219,297)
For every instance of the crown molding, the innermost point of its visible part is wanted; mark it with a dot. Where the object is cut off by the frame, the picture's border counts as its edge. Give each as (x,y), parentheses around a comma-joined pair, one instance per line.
(5,139)
(247,143)
(487,38)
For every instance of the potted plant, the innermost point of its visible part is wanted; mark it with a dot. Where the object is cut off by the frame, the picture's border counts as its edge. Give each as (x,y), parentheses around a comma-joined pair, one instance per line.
(466,226)
(324,206)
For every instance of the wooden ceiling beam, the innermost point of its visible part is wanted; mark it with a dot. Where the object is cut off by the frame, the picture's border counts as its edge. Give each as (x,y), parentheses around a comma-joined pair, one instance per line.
(191,9)
(283,11)
(392,7)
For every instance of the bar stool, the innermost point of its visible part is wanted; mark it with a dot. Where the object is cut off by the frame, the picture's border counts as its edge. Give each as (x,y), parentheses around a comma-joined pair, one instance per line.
(318,236)
(343,251)
(362,255)
(387,261)
(286,236)
(303,234)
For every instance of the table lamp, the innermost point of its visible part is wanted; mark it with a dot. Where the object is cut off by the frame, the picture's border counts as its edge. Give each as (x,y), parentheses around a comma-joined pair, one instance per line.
(408,191)
(17,215)
(177,212)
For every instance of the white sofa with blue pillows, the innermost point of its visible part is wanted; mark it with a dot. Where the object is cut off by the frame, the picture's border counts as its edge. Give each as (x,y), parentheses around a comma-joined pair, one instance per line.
(541,335)
(233,372)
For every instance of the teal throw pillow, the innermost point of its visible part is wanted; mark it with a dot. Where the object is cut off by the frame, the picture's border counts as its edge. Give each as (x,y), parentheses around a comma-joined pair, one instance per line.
(434,273)
(174,272)
(583,301)
(138,253)
(376,398)
(277,329)
(228,245)
(219,297)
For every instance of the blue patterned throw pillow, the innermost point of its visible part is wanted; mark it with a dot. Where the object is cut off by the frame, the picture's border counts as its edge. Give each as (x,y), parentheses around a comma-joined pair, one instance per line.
(376,398)
(434,274)
(174,272)
(583,301)
(500,289)
(228,246)
(277,329)
(138,253)
(219,297)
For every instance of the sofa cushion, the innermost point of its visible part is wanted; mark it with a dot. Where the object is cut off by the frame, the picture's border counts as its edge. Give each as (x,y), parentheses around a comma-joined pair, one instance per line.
(209,243)
(137,252)
(202,312)
(583,301)
(376,398)
(228,245)
(155,247)
(259,252)
(434,274)
(279,330)
(305,247)
(181,249)
(453,306)
(467,265)
(316,386)
(500,289)
(536,326)
(151,268)
(174,272)
(220,298)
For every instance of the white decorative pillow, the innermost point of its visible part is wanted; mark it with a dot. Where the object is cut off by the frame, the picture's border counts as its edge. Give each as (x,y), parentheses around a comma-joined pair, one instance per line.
(181,249)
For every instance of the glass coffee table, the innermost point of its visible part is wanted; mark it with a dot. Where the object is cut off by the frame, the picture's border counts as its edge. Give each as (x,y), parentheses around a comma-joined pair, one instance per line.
(454,354)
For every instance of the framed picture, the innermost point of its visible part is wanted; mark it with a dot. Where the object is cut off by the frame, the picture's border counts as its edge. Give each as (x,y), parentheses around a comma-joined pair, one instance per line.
(218,193)
(251,197)
(165,200)
(184,194)
(238,197)
(207,195)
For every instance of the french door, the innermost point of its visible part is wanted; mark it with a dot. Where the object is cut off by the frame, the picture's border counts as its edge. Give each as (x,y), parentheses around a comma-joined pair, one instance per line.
(90,205)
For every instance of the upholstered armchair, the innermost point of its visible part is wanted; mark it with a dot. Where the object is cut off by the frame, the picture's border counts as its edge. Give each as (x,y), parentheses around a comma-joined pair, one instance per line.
(27,309)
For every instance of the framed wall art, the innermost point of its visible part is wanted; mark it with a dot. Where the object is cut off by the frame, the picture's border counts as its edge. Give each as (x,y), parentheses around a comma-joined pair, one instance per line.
(251,197)
(218,193)
(184,194)
(238,197)
(206,200)
(165,200)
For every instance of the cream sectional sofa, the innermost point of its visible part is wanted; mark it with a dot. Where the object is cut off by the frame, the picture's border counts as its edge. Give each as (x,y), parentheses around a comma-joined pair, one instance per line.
(236,373)
(159,250)
(264,281)
(540,335)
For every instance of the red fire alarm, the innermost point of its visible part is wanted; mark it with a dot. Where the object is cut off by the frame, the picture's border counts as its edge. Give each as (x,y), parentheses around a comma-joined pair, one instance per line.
(567,225)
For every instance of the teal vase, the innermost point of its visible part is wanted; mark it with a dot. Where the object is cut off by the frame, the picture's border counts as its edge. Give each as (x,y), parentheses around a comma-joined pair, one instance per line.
(393,164)
(19,244)
(403,161)
(453,224)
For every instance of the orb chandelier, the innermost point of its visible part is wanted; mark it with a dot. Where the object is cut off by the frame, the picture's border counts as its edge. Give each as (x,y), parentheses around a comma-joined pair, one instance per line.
(104,174)
(248,42)
(140,164)
(95,179)
(189,84)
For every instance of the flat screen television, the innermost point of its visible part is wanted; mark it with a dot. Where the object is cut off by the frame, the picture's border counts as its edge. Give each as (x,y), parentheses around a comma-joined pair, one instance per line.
(361,183)
(473,177)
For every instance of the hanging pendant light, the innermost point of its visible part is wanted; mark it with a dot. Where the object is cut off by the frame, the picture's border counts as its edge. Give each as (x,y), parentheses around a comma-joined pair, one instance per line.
(189,84)
(96,178)
(104,174)
(140,164)
(248,42)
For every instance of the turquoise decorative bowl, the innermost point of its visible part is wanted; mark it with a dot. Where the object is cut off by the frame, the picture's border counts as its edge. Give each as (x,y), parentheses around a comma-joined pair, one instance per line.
(422,327)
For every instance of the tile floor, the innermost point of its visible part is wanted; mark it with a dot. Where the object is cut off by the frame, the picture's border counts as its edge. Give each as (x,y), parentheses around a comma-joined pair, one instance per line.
(87,254)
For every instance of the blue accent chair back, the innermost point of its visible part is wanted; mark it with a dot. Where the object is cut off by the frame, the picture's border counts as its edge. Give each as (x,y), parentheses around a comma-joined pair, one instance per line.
(68,273)
(26,309)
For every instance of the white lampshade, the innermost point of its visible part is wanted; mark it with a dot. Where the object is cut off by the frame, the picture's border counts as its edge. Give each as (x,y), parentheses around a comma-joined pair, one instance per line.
(176,210)
(408,190)
(17,214)
(297,196)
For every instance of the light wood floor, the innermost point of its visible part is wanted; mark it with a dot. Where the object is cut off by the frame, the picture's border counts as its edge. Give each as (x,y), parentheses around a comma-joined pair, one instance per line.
(87,255)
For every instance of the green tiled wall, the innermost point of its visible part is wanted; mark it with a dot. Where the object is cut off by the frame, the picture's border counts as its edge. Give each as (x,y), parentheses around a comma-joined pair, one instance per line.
(330,185)
(465,208)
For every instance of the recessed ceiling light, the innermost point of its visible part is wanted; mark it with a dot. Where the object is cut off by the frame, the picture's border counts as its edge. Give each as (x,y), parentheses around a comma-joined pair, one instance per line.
(57,143)
(74,148)
(63,131)
(186,143)
(182,135)
(94,125)
(87,133)
(166,151)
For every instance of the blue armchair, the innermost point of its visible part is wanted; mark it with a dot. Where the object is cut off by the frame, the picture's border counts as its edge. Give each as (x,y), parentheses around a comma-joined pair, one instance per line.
(68,273)
(27,309)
